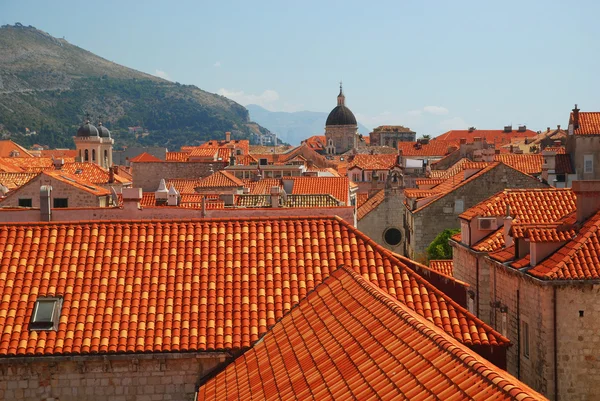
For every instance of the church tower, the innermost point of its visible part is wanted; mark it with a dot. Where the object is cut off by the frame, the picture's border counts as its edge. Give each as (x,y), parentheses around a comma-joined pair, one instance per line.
(94,144)
(341,128)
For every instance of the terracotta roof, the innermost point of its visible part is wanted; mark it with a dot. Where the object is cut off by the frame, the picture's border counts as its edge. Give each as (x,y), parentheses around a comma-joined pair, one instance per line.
(184,185)
(193,201)
(490,243)
(253,200)
(252,149)
(559,150)
(349,340)
(544,232)
(370,205)
(178,156)
(338,187)
(242,144)
(490,136)
(204,152)
(77,182)
(92,172)
(324,200)
(60,153)
(589,123)
(220,179)
(563,164)
(433,148)
(579,259)
(451,171)
(526,205)
(7,147)
(262,187)
(361,198)
(29,164)
(374,162)
(15,180)
(316,142)
(442,266)
(245,160)
(191,285)
(145,157)
(527,162)
(429,181)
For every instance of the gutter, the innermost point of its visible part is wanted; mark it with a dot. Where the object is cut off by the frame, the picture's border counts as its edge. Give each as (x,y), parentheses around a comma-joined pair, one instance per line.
(555,329)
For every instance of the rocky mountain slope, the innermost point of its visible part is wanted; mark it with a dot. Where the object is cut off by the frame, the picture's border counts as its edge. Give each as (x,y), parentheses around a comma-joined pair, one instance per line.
(47,85)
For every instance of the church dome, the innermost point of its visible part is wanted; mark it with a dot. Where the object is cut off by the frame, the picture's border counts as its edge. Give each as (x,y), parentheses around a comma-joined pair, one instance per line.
(87,129)
(341,115)
(103,131)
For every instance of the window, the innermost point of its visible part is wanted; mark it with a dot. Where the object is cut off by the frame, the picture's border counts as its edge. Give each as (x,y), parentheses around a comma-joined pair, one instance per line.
(87,156)
(392,236)
(356,177)
(24,202)
(471,302)
(46,313)
(61,202)
(93,155)
(459,206)
(106,156)
(504,321)
(525,337)
(588,163)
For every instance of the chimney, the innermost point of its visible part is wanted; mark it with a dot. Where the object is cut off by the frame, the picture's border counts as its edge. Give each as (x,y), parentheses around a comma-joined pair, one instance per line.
(558,126)
(45,210)
(131,198)
(58,163)
(228,136)
(399,157)
(471,129)
(588,198)
(463,141)
(111,176)
(274,196)
(508,220)
(575,117)
(203,206)
(162,194)
(508,128)
(173,197)
(477,139)
(497,151)
(511,149)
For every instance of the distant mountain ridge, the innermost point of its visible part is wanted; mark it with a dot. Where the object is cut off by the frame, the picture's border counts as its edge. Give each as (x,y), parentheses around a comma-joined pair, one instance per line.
(293,127)
(48,84)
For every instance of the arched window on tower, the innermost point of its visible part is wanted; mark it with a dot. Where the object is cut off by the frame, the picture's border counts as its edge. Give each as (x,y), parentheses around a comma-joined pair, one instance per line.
(106,157)
(80,155)
(93,155)
(87,156)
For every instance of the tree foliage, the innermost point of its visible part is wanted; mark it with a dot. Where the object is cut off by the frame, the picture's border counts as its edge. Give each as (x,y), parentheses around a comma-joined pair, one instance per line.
(439,247)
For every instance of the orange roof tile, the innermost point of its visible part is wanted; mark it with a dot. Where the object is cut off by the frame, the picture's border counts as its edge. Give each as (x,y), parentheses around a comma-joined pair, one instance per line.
(559,150)
(178,156)
(60,153)
(191,285)
(451,171)
(9,148)
(220,179)
(579,259)
(15,180)
(563,164)
(490,243)
(433,148)
(184,185)
(374,162)
(262,187)
(526,205)
(145,157)
(338,187)
(316,142)
(496,136)
(77,182)
(370,205)
(349,340)
(92,172)
(442,266)
(361,198)
(589,123)
(193,201)
(529,163)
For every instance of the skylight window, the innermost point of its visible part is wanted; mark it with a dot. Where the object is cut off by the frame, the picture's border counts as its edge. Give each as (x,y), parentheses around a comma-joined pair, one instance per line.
(46,313)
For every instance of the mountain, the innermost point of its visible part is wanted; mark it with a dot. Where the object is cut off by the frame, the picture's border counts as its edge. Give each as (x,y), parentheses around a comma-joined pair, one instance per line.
(293,127)
(47,85)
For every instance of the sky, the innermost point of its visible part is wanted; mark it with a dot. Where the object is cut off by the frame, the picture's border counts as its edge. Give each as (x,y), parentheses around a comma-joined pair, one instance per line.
(428,65)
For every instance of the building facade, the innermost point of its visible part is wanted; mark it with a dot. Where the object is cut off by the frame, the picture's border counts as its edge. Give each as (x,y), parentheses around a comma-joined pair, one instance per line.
(341,128)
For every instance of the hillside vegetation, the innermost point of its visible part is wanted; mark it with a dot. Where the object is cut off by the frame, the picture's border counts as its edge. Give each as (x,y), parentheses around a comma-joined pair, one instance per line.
(47,85)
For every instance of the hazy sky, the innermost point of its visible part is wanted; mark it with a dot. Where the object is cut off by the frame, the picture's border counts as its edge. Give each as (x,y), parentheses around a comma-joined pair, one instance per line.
(429,65)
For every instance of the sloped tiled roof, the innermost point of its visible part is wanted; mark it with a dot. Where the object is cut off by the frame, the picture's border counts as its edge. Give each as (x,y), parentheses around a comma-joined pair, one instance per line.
(338,187)
(442,266)
(184,185)
(451,171)
(77,182)
(145,157)
(306,200)
(92,172)
(253,200)
(374,162)
(7,147)
(191,285)
(589,123)
(349,340)
(60,153)
(263,186)
(579,259)
(361,198)
(495,136)
(316,142)
(559,150)
(15,180)
(178,156)
(370,205)
(490,243)
(220,179)
(433,148)
(529,163)
(193,201)
(526,205)
(563,164)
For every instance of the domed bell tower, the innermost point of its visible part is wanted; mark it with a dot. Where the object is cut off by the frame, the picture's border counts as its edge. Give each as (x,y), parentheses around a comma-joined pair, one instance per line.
(94,144)
(341,128)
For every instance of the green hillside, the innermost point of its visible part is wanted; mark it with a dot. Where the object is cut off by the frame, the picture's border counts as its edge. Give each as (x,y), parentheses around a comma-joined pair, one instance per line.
(47,85)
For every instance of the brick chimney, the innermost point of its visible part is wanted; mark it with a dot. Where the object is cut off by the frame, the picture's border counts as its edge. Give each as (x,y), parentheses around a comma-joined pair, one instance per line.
(228,136)
(111,176)
(508,220)
(588,198)
(575,117)
(275,196)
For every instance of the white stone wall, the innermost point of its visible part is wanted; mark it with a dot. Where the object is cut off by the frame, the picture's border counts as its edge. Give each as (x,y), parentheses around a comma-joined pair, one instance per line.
(387,215)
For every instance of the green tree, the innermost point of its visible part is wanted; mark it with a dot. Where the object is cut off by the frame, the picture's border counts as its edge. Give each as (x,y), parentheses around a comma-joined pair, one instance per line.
(439,248)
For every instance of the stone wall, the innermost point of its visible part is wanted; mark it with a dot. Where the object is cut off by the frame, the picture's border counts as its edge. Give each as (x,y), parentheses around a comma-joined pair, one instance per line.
(344,137)
(389,214)
(147,175)
(580,145)
(116,378)
(471,268)
(441,214)
(77,197)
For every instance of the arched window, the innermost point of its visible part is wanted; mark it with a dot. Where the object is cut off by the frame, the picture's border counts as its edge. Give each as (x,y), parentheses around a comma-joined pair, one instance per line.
(87,156)
(106,157)
(93,155)
(79,154)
